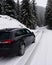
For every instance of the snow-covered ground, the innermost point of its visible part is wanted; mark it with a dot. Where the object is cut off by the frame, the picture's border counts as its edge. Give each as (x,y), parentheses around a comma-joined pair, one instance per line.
(43,53)
(8,22)
(39,53)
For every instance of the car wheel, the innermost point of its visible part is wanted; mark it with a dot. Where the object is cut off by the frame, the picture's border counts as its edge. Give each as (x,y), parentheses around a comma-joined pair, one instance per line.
(21,49)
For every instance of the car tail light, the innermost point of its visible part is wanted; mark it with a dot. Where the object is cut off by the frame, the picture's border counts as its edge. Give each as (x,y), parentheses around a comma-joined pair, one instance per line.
(8,41)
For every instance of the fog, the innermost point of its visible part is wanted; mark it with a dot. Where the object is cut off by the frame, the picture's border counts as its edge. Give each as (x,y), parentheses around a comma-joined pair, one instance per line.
(39,2)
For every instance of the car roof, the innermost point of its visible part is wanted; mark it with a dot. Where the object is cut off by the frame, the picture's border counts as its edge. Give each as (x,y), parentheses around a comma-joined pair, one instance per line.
(11,29)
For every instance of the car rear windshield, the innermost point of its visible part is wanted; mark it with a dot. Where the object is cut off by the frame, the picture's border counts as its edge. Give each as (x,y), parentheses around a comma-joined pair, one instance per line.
(4,35)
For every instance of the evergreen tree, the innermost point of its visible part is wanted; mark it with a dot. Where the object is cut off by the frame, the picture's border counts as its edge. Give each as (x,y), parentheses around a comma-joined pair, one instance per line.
(18,10)
(0,8)
(9,8)
(26,14)
(33,7)
(34,15)
(48,15)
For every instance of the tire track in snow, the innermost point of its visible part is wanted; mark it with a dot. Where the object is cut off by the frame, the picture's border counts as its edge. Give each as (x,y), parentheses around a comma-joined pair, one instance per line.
(35,47)
(29,53)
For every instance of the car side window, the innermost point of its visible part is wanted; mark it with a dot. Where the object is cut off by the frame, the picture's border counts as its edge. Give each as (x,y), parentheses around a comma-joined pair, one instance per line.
(28,31)
(24,31)
(20,32)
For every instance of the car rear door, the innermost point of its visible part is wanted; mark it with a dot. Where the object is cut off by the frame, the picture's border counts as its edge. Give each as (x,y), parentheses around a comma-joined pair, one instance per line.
(28,37)
(22,35)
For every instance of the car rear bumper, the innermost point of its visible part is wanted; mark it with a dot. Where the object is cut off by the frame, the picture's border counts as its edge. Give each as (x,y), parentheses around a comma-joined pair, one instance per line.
(7,49)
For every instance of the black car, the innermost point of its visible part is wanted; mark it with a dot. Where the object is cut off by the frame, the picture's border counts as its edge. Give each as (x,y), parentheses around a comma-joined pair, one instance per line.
(15,40)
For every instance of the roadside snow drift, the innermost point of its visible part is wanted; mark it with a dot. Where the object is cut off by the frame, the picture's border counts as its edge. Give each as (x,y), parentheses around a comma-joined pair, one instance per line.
(9,22)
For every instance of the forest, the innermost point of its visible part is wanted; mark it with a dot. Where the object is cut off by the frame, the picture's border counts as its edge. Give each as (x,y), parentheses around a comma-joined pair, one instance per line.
(27,12)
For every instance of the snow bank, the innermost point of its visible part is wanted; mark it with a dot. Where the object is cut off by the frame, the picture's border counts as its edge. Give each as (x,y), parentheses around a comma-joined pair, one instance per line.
(9,22)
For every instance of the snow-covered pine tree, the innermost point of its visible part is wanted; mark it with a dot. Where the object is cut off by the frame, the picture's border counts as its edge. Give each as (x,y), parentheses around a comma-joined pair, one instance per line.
(48,14)
(18,10)
(9,8)
(33,7)
(26,15)
(34,15)
(0,7)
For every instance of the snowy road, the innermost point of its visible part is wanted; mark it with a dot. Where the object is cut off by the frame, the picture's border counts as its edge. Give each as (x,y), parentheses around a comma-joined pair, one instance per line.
(43,54)
(22,60)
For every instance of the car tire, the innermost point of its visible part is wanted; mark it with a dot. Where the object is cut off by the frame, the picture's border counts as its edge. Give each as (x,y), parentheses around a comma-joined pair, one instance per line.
(21,50)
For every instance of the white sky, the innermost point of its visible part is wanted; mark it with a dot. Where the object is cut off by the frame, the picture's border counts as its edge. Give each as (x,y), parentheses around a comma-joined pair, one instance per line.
(39,2)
